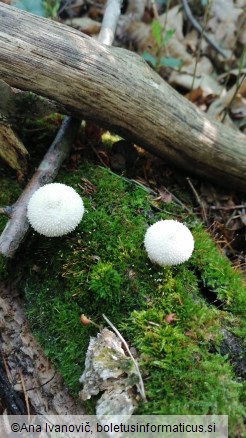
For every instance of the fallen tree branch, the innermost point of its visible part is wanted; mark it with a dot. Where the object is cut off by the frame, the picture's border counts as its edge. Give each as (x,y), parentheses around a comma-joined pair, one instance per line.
(117,89)
(17,226)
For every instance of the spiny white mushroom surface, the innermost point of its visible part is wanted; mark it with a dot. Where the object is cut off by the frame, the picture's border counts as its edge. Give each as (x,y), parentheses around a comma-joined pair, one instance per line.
(55,209)
(168,242)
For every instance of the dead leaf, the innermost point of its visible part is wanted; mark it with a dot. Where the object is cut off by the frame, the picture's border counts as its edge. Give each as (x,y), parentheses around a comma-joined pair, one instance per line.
(170,318)
(224,23)
(203,78)
(85,25)
(243,218)
(12,150)
(164,196)
(190,334)
(136,8)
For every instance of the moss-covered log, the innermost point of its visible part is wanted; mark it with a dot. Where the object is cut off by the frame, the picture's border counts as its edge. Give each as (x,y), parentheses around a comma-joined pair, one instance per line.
(103,268)
(117,89)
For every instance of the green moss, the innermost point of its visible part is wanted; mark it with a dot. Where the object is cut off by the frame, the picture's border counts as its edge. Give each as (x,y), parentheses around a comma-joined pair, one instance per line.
(102,268)
(105,284)
(9,193)
(218,275)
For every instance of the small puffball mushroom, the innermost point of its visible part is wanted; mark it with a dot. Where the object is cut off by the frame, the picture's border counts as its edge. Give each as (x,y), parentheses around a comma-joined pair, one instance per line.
(55,209)
(168,242)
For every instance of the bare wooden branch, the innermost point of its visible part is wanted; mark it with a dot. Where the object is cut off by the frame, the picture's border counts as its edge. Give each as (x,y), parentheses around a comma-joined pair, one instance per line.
(117,89)
(109,23)
(7,211)
(17,226)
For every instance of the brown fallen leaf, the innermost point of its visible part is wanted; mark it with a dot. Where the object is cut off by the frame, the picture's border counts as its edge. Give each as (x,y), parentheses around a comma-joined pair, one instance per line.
(170,318)
(190,334)
(85,25)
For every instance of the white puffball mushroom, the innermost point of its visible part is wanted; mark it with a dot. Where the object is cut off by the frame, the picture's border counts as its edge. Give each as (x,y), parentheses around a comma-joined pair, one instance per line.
(168,242)
(55,209)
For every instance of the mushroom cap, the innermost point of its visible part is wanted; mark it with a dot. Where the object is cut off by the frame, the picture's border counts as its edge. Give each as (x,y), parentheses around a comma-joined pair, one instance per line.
(55,209)
(168,242)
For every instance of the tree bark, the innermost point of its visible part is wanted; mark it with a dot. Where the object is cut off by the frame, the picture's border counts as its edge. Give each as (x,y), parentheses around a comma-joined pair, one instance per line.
(17,226)
(117,89)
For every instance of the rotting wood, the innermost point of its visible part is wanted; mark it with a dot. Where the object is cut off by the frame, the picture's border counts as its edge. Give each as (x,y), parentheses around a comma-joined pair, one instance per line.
(117,89)
(12,150)
(9,396)
(22,355)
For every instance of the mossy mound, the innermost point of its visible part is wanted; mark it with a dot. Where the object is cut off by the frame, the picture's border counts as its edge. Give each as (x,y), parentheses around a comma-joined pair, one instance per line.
(102,268)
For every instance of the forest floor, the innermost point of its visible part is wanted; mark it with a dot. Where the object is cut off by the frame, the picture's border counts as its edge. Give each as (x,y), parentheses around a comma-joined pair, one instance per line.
(24,368)
(28,372)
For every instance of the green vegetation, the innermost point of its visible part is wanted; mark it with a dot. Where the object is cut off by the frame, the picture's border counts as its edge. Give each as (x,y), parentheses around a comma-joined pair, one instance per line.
(47,8)
(33,6)
(9,193)
(102,268)
(161,38)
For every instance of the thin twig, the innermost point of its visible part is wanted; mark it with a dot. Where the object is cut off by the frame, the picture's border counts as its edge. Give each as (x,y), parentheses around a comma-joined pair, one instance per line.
(109,23)
(199,29)
(7,211)
(177,200)
(98,155)
(154,9)
(141,384)
(232,207)
(238,85)
(200,202)
(25,394)
(8,374)
(198,55)
(43,384)
(231,218)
